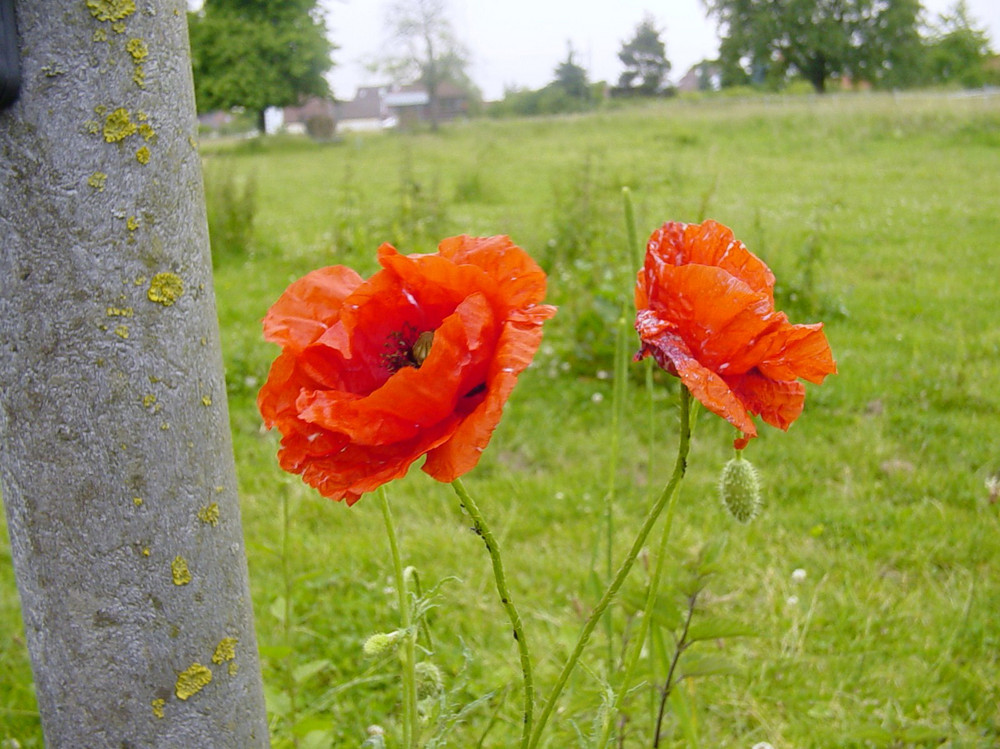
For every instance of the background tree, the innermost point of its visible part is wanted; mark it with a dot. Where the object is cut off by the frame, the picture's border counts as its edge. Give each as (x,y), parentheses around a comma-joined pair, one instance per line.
(645,59)
(815,38)
(115,457)
(258,54)
(957,49)
(432,54)
(571,79)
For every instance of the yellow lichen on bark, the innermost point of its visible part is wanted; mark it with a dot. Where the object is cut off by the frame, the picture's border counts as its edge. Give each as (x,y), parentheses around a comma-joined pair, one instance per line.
(192,680)
(165,288)
(111,10)
(209,514)
(179,570)
(118,126)
(225,650)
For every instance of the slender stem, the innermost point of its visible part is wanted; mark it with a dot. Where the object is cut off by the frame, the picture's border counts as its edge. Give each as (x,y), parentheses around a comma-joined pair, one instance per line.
(635,649)
(647,525)
(287,580)
(682,645)
(408,649)
(617,412)
(470,506)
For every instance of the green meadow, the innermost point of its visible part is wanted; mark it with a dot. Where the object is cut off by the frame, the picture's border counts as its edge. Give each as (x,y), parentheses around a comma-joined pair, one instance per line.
(878,215)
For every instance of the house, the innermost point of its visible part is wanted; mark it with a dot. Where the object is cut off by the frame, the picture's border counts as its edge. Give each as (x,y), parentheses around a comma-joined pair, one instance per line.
(367,111)
(703,76)
(296,119)
(412,104)
(379,107)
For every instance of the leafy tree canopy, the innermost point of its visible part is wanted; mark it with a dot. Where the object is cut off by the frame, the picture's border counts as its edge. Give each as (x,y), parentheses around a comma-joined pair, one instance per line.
(645,59)
(256,54)
(875,40)
(571,79)
(958,49)
(428,50)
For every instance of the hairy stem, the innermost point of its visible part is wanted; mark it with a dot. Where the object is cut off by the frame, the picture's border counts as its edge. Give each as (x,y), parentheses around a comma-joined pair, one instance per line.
(408,649)
(481,528)
(680,466)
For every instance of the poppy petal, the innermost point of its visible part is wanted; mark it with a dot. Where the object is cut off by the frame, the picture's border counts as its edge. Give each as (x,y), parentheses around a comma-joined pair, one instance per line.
(803,352)
(309,306)
(705,311)
(520,281)
(411,399)
(672,354)
(779,403)
(518,342)
(724,321)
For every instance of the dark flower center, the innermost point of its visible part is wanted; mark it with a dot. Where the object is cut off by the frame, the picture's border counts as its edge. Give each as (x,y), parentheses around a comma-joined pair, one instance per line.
(405,348)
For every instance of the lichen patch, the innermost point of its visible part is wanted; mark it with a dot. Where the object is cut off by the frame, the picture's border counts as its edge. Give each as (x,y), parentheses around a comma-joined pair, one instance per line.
(138,49)
(165,288)
(118,126)
(192,680)
(111,10)
(225,650)
(179,570)
(157,705)
(209,514)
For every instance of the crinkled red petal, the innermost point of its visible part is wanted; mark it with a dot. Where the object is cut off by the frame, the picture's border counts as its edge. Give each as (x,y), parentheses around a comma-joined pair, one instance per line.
(519,340)
(673,354)
(520,281)
(779,403)
(709,243)
(309,306)
(724,322)
(413,399)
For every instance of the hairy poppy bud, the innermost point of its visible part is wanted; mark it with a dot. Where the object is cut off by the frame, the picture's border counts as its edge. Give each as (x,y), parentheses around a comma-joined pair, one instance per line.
(739,486)
(379,643)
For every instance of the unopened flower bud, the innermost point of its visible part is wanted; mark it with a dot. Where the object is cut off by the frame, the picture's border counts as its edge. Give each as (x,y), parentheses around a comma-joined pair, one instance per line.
(379,643)
(740,489)
(430,681)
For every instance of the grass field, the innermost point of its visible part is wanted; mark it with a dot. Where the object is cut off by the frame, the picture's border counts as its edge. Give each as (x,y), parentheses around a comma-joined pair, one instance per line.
(878,215)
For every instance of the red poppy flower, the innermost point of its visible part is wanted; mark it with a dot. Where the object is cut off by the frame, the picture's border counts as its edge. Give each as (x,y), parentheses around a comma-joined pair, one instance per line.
(706,314)
(417,360)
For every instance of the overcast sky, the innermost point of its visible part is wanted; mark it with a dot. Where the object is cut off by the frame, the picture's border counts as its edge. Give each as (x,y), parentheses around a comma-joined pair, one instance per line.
(520,42)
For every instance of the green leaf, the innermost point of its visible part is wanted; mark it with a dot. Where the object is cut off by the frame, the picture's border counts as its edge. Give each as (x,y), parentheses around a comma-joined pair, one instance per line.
(695,664)
(277,609)
(278,702)
(680,706)
(275,652)
(718,629)
(307,670)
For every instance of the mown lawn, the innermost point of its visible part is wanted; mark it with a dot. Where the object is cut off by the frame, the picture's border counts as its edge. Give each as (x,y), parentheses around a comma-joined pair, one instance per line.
(878,215)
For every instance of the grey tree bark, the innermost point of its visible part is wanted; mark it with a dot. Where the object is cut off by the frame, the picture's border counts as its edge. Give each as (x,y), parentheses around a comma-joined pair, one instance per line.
(115,453)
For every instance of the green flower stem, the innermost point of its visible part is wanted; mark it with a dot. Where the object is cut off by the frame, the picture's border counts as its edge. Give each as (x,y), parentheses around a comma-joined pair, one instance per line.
(635,647)
(619,393)
(470,506)
(680,466)
(408,647)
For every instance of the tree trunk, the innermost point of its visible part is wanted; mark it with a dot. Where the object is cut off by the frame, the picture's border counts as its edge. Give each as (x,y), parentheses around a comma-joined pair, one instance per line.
(115,454)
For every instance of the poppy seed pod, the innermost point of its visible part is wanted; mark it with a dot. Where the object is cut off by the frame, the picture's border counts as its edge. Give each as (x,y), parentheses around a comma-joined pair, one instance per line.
(739,486)
(380,643)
